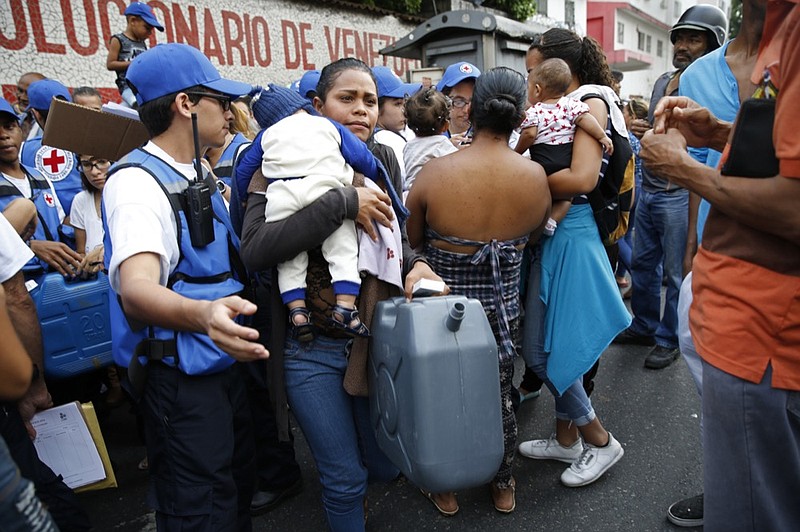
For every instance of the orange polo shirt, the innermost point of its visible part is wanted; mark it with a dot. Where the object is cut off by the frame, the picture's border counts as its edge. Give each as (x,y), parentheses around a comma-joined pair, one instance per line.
(746,284)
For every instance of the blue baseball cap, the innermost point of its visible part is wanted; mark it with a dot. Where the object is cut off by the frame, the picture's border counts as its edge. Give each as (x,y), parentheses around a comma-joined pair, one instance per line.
(456,73)
(42,92)
(145,12)
(309,82)
(170,68)
(391,86)
(6,108)
(295,86)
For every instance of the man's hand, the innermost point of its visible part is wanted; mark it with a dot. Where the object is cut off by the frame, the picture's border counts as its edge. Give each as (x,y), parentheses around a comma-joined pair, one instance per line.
(236,340)
(639,127)
(665,155)
(421,270)
(37,398)
(373,206)
(58,255)
(93,261)
(697,124)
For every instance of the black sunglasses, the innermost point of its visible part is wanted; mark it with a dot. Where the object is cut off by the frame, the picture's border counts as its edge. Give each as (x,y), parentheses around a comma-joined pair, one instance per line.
(224,101)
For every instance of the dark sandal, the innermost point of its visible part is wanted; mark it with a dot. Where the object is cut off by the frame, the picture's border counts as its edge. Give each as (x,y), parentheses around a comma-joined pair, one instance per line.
(348,315)
(302,332)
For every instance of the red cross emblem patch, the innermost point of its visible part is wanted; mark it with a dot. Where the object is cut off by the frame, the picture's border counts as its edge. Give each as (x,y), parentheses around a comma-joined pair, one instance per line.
(54,163)
(49,199)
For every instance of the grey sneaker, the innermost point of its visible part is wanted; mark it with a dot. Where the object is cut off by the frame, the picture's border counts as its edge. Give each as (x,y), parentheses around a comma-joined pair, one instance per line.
(593,462)
(550,449)
(687,513)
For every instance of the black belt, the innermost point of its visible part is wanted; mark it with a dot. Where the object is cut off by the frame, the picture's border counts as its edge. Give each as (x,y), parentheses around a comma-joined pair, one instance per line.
(154,350)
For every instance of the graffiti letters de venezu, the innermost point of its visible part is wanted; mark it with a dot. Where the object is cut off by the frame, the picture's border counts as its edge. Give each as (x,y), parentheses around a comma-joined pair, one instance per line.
(257,41)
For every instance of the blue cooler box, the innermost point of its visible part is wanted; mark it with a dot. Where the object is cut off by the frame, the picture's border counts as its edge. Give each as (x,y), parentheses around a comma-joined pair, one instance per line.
(76,329)
(435,391)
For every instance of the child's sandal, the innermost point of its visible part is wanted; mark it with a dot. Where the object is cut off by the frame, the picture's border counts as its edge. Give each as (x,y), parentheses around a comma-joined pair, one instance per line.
(348,316)
(302,332)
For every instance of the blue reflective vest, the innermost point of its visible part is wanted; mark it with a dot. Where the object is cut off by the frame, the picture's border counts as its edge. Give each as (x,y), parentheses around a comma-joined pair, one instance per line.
(224,167)
(48,222)
(59,166)
(202,273)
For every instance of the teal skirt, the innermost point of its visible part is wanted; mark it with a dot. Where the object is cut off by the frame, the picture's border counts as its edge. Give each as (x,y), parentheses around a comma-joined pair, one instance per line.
(584,307)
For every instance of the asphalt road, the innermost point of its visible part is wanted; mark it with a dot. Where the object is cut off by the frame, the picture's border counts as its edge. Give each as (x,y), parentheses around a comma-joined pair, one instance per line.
(654,414)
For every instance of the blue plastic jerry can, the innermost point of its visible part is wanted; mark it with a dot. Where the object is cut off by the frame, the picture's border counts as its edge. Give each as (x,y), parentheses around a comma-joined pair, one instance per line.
(435,391)
(76,328)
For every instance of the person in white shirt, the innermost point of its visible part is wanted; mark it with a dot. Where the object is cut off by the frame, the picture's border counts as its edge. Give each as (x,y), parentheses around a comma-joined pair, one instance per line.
(85,215)
(181,284)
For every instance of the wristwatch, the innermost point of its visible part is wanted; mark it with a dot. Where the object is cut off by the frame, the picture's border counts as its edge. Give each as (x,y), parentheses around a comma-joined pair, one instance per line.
(221,186)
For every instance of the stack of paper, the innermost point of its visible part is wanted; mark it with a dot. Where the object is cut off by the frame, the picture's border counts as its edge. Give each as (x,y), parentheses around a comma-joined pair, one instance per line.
(66,444)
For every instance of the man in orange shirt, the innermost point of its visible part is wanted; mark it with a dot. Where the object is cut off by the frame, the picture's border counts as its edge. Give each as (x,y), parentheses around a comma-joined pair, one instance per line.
(745,318)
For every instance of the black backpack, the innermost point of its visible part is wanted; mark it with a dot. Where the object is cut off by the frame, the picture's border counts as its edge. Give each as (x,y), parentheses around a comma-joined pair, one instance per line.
(612,198)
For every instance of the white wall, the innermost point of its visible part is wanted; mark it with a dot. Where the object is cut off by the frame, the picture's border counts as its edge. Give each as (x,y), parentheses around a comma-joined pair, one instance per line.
(257,41)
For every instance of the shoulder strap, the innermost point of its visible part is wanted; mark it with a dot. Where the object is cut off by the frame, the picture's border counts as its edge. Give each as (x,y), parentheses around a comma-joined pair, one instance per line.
(38,184)
(590,95)
(173,198)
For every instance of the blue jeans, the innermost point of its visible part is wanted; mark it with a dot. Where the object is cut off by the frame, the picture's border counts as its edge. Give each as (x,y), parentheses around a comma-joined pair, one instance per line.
(20,509)
(751,454)
(336,426)
(574,404)
(658,248)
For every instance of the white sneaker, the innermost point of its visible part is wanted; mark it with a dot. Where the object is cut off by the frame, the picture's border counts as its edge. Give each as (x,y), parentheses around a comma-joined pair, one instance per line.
(593,462)
(550,449)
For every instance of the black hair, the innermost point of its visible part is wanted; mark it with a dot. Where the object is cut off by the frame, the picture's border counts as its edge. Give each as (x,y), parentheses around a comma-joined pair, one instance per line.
(246,99)
(584,56)
(332,71)
(498,102)
(382,100)
(157,115)
(87,185)
(427,112)
(86,91)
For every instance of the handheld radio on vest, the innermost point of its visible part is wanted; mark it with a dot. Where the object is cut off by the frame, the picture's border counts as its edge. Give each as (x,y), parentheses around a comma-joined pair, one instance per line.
(197,205)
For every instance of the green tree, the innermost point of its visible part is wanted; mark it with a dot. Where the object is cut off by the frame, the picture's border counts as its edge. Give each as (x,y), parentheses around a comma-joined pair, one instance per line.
(735,19)
(518,9)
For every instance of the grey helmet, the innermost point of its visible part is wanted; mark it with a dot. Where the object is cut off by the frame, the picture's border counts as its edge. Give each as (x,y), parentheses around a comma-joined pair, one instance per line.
(703,17)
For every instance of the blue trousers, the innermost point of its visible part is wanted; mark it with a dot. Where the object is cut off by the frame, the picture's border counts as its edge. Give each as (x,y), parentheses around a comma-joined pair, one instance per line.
(337,428)
(574,404)
(751,454)
(659,243)
(200,449)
